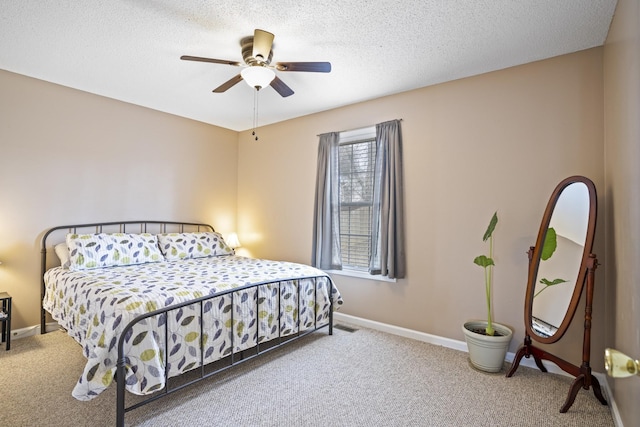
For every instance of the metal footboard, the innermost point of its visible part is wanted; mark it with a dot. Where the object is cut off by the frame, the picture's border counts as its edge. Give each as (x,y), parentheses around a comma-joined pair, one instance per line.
(230,360)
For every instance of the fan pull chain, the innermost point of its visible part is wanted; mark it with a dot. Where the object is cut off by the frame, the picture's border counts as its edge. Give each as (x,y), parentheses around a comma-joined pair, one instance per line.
(255,112)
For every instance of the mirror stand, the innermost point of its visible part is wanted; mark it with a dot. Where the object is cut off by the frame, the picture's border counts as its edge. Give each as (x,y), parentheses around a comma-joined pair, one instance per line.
(583,376)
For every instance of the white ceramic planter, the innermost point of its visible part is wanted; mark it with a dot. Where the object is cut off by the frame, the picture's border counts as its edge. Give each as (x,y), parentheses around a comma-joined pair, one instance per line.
(487,353)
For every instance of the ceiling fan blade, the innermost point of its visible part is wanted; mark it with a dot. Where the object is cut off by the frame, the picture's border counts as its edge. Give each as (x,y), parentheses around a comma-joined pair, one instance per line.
(228,84)
(262,43)
(316,67)
(215,61)
(281,87)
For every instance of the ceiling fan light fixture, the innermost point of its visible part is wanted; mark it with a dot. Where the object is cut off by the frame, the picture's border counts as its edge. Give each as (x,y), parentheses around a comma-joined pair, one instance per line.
(257,70)
(258,76)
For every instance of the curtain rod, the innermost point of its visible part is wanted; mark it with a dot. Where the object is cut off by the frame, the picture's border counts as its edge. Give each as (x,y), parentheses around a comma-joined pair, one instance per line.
(362,127)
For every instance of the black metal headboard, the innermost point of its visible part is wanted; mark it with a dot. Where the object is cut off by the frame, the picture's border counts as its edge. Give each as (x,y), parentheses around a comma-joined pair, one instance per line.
(154,227)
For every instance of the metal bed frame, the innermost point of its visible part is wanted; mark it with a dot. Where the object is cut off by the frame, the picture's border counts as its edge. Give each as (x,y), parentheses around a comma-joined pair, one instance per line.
(203,371)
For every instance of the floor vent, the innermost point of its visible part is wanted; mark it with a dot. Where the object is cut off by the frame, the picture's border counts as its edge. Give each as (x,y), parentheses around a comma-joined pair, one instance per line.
(344,327)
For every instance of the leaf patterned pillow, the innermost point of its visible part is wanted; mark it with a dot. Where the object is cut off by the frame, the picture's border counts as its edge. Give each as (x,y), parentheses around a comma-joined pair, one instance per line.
(106,250)
(175,246)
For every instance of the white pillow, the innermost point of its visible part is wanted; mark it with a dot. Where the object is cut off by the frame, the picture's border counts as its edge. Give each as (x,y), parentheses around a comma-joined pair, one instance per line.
(175,246)
(62,251)
(106,250)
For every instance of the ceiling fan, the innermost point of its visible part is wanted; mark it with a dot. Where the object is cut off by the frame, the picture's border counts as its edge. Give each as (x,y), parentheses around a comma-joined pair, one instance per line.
(258,71)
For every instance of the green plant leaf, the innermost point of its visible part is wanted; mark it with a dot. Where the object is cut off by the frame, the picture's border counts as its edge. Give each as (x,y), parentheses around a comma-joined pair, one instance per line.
(483,261)
(491,227)
(550,244)
(554,282)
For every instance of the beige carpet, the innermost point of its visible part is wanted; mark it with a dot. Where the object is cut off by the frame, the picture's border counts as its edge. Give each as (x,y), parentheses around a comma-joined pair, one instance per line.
(362,378)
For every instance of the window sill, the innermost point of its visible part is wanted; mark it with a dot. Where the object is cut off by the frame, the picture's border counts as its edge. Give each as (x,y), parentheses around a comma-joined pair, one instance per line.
(361,275)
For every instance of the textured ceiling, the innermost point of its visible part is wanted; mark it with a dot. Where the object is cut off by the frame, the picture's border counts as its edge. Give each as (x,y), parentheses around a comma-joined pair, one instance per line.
(130,50)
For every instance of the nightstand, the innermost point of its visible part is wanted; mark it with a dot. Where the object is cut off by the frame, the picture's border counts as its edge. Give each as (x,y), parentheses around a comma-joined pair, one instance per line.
(5,318)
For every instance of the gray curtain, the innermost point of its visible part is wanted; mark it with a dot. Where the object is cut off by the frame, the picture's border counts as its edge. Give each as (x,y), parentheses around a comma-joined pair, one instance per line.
(326,220)
(388,245)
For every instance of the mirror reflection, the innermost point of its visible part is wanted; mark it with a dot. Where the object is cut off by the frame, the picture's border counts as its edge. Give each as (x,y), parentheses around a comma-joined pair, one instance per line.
(560,260)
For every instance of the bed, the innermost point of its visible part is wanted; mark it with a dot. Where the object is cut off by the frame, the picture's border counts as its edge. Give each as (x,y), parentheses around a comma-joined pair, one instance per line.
(159,305)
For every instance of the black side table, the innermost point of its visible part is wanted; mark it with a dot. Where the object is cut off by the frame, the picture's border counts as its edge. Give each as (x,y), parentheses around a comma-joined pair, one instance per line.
(5,318)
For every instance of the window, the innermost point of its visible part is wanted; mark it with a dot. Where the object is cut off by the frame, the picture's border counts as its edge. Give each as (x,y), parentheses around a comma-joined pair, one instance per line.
(358,222)
(357,157)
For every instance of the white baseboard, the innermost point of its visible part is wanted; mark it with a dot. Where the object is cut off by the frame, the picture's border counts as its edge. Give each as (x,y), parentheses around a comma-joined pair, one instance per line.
(403,332)
(602,379)
(462,346)
(16,334)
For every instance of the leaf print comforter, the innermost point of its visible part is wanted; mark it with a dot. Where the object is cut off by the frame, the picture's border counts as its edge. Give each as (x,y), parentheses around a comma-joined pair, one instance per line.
(94,306)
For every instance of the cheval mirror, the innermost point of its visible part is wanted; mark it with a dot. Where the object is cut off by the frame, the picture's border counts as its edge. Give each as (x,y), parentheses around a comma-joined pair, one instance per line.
(559,265)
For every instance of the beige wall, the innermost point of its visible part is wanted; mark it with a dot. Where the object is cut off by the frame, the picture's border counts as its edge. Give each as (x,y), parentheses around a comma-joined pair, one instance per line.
(622,165)
(500,141)
(69,157)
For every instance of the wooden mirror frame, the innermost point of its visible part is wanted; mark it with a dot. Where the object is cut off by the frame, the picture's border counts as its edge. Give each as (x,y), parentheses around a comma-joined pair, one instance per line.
(535,253)
(583,376)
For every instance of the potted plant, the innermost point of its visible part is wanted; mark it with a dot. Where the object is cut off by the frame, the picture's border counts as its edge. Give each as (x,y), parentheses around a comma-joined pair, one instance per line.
(487,341)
